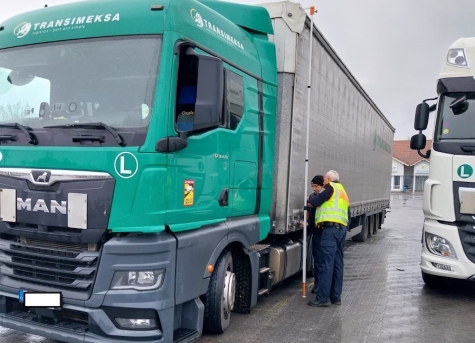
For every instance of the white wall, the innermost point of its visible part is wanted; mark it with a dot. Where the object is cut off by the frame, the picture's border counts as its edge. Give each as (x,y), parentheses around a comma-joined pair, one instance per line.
(397,172)
(397,168)
(421,168)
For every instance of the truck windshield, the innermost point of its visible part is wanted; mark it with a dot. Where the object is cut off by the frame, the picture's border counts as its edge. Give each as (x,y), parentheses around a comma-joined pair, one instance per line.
(108,80)
(459,122)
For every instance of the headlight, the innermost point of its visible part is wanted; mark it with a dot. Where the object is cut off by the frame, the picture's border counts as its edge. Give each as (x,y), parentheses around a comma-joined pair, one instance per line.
(440,246)
(139,280)
(457,58)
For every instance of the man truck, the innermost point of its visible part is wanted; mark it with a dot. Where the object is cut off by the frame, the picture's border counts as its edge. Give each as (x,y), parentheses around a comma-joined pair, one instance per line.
(448,237)
(152,162)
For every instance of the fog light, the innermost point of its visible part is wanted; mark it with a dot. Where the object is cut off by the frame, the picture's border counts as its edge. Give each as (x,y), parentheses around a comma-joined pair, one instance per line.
(442,266)
(136,324)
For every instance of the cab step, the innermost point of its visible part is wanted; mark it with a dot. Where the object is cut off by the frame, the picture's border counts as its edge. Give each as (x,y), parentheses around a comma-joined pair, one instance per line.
(185,335)
(263,291)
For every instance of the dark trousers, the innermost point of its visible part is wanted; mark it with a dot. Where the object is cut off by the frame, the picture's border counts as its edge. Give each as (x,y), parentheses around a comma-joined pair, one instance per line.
(330,278)
(316,253)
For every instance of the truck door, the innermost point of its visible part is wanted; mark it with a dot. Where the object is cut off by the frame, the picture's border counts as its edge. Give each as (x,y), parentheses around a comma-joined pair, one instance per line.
(201,171)
(242,116)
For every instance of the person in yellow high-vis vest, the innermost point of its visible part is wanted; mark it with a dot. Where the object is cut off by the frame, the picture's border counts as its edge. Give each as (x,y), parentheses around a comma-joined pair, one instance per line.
(332,216)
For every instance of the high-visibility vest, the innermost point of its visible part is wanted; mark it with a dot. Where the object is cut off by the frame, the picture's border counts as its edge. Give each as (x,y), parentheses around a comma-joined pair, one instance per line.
(336,208)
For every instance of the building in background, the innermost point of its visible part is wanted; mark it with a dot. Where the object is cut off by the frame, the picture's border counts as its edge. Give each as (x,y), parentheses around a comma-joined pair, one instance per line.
(409,170)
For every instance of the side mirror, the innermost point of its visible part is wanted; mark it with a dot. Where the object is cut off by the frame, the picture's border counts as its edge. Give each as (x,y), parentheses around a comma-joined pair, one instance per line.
(418,142)
(19,79)
(209,95)
(171,144)
(422,117)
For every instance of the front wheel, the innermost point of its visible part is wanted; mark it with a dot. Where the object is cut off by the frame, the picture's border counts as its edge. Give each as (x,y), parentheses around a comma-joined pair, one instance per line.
(219,300)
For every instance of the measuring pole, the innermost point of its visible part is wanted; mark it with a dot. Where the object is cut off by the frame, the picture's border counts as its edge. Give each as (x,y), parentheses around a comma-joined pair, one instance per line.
(304,250)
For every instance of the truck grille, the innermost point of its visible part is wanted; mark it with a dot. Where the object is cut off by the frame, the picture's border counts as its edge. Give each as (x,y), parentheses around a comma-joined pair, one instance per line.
(46,265)
(467,237)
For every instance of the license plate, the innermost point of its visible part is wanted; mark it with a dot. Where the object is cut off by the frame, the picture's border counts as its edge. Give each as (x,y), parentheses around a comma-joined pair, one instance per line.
(52,300)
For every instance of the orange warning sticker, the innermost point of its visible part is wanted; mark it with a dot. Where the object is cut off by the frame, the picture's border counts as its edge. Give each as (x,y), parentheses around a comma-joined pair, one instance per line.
(189,193)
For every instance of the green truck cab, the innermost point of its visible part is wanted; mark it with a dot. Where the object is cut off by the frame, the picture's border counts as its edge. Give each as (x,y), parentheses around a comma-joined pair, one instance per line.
(151,163)
(123,128)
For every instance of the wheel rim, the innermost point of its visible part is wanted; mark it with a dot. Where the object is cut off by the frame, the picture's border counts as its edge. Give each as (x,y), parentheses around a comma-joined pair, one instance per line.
(229,291)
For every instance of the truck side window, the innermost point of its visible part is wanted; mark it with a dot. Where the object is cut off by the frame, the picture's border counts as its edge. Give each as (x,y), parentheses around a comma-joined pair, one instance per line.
(186,91)
(235,98)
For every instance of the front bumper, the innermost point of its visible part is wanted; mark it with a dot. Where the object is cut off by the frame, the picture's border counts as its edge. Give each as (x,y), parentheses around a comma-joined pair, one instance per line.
(462,267)
(98,327)
(93,320)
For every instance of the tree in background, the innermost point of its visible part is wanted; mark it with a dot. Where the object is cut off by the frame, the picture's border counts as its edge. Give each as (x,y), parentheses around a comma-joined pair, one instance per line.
(14,112)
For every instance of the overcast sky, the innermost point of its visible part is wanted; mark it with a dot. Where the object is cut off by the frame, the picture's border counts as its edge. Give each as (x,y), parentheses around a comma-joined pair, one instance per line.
(394,48)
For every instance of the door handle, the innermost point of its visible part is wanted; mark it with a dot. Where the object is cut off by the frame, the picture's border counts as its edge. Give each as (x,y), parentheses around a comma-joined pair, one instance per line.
(224,197)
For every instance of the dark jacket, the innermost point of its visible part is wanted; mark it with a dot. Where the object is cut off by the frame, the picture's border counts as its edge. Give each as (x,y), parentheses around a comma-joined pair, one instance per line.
(311,212)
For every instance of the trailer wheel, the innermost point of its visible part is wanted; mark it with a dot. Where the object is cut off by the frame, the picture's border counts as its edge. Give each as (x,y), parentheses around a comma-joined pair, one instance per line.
(377,226)
(370,226)
(363,235)
(219,300)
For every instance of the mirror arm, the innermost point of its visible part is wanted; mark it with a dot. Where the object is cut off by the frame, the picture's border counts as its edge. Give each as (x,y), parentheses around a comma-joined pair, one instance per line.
(432,107)
(429,99)
(426,155)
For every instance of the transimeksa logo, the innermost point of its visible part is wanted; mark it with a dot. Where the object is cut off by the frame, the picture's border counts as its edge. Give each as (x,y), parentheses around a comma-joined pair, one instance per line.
(197,17)
(22,30)
(202,22)
(64,24)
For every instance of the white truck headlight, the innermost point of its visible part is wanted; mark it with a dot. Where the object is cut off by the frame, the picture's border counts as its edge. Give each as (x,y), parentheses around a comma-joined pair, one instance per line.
(440,246)
(457,58)
(138,280)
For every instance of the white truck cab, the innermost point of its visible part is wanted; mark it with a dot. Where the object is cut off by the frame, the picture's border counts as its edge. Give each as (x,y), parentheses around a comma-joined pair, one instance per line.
(448,240)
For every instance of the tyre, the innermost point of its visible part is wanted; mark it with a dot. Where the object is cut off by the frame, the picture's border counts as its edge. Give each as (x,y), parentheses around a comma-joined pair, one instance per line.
(377,225)
(310,272)
(370,226)
(363,235)
(219,300)
(432,281)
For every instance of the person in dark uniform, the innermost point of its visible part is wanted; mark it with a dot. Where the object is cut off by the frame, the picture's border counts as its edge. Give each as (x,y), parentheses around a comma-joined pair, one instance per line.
(332,216)
(317,186)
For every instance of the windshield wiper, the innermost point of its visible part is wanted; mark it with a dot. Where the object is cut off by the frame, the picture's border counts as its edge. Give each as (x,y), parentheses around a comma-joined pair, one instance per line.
(98,125)
(25,129)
